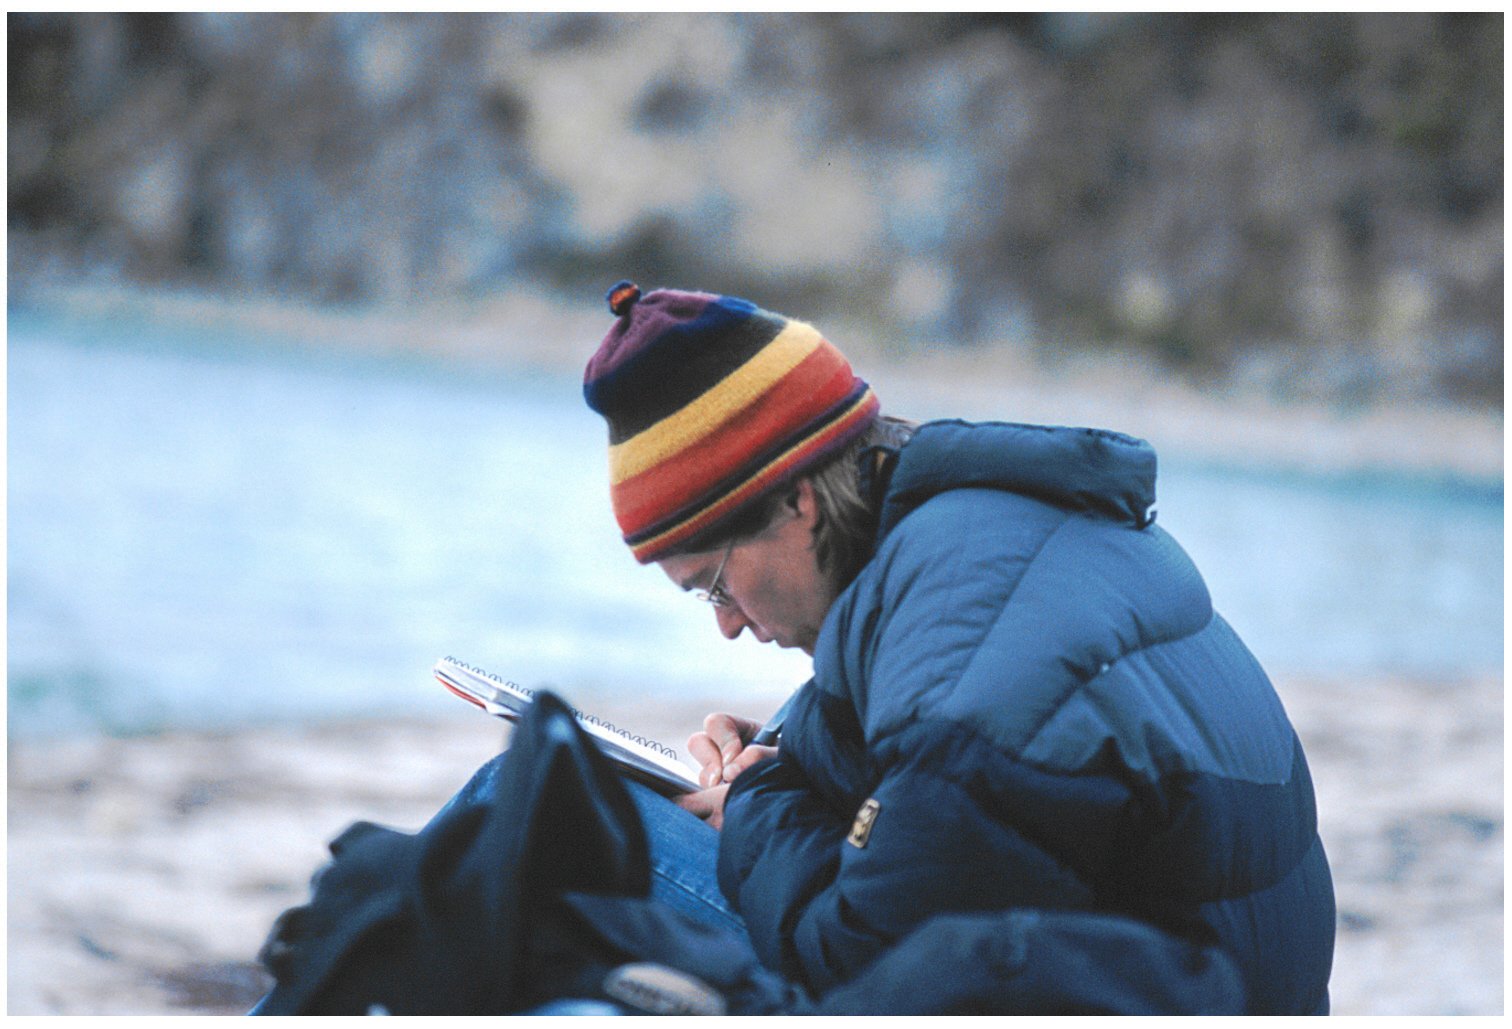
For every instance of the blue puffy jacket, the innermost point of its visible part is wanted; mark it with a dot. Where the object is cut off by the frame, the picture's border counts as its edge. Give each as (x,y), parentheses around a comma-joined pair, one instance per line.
(1026,700)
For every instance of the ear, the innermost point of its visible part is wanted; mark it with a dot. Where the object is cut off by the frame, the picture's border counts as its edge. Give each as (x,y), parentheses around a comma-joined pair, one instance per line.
(802,503)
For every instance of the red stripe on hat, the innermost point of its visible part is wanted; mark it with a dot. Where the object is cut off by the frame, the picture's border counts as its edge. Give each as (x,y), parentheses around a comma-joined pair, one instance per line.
(833,435)
(813,386)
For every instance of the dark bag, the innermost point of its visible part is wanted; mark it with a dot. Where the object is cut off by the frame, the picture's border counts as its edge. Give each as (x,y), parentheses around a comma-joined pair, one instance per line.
(433,922)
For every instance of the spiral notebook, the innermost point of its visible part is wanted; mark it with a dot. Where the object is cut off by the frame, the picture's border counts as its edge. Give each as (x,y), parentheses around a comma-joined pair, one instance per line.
(642,759)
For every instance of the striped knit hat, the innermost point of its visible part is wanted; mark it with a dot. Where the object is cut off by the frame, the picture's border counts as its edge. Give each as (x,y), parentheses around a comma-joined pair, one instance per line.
(712,403)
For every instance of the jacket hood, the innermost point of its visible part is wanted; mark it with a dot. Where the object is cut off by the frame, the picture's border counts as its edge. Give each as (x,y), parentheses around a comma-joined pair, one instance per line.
(1089,470)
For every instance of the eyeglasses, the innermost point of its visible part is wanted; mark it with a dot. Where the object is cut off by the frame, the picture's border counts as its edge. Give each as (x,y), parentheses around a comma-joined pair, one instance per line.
(716,594)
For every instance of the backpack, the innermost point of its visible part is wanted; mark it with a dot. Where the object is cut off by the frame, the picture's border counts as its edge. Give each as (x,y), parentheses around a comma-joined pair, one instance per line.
(541,892)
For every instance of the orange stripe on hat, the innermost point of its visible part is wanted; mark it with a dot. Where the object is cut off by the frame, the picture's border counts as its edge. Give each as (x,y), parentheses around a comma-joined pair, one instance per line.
(799,398)
(835,435)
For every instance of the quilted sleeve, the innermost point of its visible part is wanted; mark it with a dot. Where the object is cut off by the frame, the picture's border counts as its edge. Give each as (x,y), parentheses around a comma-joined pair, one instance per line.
(824,893)
(779,846)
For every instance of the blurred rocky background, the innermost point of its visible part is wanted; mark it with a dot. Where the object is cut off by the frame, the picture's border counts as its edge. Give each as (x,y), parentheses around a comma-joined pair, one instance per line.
(1305,206)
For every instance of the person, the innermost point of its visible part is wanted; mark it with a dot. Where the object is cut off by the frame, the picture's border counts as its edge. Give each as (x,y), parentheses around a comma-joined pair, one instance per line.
(1022,697)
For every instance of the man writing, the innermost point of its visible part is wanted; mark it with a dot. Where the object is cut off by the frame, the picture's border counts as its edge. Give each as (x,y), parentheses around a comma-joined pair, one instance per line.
(1022,697)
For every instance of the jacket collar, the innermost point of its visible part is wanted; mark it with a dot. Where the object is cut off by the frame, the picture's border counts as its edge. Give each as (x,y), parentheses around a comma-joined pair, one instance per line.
(1095,471)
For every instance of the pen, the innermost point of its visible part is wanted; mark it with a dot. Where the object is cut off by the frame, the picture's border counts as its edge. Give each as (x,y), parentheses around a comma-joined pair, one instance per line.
(767,737)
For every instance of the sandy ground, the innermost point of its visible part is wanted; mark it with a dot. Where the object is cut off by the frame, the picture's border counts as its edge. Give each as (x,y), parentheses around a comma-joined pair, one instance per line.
(144,873)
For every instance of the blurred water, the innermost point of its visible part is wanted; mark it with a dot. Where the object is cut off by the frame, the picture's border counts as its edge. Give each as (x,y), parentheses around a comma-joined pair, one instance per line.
(216,532)
(1356,573)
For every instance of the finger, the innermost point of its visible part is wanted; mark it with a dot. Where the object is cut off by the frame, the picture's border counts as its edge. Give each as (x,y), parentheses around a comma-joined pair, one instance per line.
(748,757)
(706,752)
(726,732)
(745,727)
(706,804)
(722,729)
(694,803)
(704,749)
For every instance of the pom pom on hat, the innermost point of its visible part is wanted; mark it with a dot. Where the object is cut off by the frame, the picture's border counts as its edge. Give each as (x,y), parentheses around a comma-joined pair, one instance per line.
(712,403)
(622,296)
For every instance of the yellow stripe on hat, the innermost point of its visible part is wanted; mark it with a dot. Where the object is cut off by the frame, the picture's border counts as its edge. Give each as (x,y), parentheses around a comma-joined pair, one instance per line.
(712,409)
(771,471)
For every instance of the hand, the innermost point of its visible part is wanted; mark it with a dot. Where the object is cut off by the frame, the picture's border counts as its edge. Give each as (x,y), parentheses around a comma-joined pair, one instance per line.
(706,804)
(723,749)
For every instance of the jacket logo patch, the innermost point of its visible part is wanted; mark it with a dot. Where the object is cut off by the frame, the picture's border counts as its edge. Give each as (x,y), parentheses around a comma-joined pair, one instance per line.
(865,818)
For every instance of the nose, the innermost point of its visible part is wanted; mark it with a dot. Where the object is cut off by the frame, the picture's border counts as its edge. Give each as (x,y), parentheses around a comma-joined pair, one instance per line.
(731,621)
